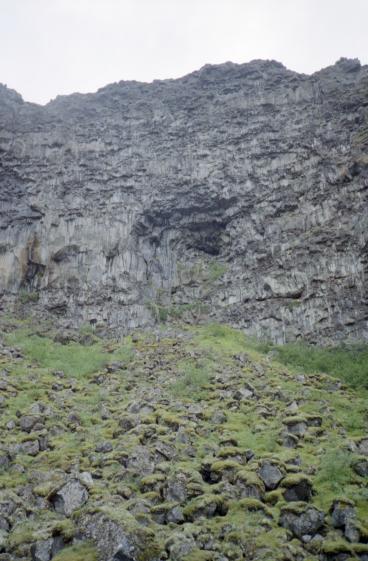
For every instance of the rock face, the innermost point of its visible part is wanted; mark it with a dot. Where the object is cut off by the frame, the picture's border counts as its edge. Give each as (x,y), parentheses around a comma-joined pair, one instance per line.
(239,191)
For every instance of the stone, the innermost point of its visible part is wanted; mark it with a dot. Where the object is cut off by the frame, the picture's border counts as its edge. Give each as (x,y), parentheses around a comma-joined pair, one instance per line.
(69,498)
(302,522)
(289,440)
(30,447)
(123,541)
(176,489)
(363,446)
(270,474)
(360,467)
(298,488)
(27,422)
(341,512)
(243,393)
(343,515)
(86,479)
(175,515)
(104,447)
(4,460)
(296,427)
(42,550)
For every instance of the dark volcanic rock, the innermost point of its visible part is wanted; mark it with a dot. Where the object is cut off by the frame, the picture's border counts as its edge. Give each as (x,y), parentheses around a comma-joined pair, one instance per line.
(302,522)
(243,186)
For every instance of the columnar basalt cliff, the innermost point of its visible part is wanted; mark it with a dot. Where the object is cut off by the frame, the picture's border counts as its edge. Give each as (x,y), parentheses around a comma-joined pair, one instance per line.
(238,191)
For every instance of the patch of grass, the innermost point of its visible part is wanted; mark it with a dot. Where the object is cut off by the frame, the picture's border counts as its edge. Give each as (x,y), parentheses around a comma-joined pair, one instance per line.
(333,475)
(221,338)
(26,296)
(193,381)
(347,362)
(73,359)
(80,552)
(216,270)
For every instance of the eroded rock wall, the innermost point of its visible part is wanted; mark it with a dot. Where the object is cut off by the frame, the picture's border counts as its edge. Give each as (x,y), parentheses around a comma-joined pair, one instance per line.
(239,188)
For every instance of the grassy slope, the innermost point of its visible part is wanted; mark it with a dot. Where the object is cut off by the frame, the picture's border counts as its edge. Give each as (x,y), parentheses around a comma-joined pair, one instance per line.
(195,368)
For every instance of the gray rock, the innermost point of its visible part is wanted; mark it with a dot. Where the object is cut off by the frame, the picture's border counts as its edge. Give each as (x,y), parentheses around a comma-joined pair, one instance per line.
(301,491)
(363,446)
(70,497)
(27,422)
(104,447)
(42,550)
(341,512)
(176,489)
(123,541)
(45,550)
(343,515)
(270,474)
(175,515)
(3,539)
(289,440)
(302,523)
(30,447)
(360,467)
(297,428)
(4,460)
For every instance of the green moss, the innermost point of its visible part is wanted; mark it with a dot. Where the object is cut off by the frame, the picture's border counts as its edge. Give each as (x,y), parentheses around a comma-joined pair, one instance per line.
(295,419)
(43,526)
(229,451)
(250,478)
(216,270)
(198,506)
(341,546)
(223,465)
(80,552)
(295,479)
(26,296)
(152,480)
(297,507)
(169,419)
(252,505)
(199,555)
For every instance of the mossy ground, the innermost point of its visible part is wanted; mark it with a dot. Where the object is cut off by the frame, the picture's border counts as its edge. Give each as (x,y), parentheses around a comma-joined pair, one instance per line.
(180,387)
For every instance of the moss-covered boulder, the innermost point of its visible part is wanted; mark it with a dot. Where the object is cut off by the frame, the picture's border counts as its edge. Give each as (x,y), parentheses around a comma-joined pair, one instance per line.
(298,487)
(302,520)
(207,506)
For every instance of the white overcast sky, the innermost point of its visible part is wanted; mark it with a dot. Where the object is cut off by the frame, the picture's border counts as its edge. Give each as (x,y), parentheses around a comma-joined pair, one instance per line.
(51,47)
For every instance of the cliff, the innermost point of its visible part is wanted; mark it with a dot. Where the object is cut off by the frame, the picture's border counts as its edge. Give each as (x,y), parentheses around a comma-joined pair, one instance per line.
(238,192)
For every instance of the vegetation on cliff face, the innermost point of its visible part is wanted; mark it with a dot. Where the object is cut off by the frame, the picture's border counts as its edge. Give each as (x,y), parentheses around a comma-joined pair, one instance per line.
(187,443)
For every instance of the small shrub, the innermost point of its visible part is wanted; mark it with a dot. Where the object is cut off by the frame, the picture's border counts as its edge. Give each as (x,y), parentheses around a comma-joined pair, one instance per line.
(192,382)
(26,296)
(334,471)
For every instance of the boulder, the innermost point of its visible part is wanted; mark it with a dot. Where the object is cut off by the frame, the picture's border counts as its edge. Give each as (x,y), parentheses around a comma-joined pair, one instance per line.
(69,497)
(30,447)
(270,474)
(302,520)
(298,487)
(27,422)
(360,466)
(123,540)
